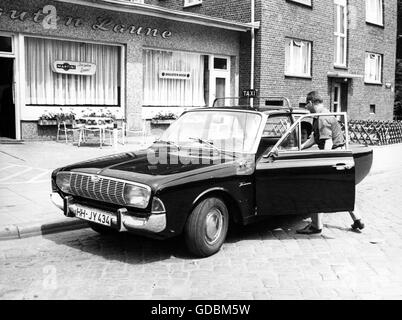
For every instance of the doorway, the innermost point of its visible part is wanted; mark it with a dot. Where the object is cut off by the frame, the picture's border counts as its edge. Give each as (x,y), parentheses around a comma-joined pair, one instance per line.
(7,105)
(339,97)
(219,79)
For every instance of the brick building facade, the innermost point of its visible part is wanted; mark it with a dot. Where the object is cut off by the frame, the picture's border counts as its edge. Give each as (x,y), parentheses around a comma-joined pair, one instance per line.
(171,55)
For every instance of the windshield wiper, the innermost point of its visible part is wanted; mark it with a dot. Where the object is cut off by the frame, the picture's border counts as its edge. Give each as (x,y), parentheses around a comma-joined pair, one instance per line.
(171,143)
(210,144)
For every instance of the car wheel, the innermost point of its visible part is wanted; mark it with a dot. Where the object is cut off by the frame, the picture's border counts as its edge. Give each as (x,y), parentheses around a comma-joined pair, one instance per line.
(101,229)
(206,227)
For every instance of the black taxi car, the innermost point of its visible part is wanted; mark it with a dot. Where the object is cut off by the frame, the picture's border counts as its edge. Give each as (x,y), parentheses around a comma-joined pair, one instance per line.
(210,166)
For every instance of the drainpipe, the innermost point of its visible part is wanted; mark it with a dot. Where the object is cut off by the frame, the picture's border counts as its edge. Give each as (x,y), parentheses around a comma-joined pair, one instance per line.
(252,50)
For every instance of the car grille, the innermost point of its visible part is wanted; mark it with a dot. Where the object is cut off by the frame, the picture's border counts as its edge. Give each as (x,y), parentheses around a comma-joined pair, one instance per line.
(104,189)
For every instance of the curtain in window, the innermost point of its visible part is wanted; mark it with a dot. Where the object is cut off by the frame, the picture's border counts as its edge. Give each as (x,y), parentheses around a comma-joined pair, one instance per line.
(173,92)
(373,67)
(297,57)
(45,87)
(374,11)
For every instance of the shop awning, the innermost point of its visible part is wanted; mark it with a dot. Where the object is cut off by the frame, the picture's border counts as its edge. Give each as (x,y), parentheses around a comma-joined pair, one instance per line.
(332,74)
(165,13)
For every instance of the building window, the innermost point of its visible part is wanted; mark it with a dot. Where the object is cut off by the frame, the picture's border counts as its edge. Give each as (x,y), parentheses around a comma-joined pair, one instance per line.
(173,79)
(297,58)
(372,73)
(372,108)
(6,44)
(45,86)
(305,2)
(374,11)
(189,3)
(340,34)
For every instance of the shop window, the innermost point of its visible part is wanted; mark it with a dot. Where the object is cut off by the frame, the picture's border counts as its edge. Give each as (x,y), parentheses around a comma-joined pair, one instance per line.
(340,34)
(173,79)
(305,2)
(297,58)
(189,3)
(47,86)
(372,72)
(374,11)
(6,44)
(372,108)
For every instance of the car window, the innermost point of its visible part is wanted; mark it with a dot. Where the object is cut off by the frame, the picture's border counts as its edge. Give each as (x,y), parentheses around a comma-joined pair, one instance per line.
(276,126)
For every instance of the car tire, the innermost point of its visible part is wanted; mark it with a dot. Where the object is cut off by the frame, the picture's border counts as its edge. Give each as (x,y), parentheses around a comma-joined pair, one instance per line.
(206,227)
(104,230)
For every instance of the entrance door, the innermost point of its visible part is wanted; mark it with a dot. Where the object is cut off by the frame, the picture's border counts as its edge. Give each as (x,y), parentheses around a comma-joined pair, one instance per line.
(7,106)
(220,79)
(339,97)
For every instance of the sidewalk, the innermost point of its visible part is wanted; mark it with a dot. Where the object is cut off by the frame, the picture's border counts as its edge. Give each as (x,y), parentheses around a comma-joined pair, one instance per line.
(25,206)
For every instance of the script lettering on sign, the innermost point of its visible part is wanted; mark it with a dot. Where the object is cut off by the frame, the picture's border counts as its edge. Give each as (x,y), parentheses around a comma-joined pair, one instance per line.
(49,19)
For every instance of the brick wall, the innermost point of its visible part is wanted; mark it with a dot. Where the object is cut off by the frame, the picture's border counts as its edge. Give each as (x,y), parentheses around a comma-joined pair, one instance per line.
(281,19)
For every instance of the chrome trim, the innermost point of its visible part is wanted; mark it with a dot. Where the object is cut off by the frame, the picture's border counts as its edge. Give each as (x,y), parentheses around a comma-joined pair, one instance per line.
(313,115)
(110,178)
(57,200)
(154,223)
(106,189)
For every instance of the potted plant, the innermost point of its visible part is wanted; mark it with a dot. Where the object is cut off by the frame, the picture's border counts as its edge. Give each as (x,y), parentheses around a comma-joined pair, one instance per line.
(163,118)
(51,119)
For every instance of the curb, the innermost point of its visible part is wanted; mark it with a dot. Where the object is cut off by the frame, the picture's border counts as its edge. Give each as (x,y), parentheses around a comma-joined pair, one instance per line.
(36,229)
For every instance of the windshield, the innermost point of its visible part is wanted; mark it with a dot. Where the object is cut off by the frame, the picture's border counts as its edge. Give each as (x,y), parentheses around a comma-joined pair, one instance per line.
(223,130)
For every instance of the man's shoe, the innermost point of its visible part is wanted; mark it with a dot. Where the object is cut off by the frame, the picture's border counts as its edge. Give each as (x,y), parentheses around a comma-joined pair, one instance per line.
(309,229)
(358,225)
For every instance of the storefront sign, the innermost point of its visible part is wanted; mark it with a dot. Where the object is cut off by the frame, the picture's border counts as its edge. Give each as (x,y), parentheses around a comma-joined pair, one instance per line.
(49,18)
(71,67)
(177,75)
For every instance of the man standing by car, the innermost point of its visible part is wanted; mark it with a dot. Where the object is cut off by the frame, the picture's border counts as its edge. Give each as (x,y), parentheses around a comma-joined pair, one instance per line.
(327,134)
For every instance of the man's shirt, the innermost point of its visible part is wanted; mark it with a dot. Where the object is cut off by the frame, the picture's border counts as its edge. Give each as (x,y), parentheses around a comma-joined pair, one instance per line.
(327,127)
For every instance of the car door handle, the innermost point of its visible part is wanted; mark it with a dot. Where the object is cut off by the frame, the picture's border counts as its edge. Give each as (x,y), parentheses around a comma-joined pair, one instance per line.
(341,166)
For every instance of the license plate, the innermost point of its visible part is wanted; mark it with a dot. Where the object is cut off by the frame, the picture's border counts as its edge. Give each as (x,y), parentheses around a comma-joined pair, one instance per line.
(93,215)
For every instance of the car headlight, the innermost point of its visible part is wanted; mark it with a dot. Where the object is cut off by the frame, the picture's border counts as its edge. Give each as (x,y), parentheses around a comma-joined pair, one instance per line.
(136,196)
(63,181)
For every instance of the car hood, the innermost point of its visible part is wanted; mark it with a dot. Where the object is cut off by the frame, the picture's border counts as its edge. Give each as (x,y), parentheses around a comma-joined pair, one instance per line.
(139,167)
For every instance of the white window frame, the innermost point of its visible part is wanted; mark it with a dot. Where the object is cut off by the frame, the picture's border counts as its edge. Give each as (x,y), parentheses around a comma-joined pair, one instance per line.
(305,2)
(340,9)
(190,3)
(378,62)
(372,14)
(287,63)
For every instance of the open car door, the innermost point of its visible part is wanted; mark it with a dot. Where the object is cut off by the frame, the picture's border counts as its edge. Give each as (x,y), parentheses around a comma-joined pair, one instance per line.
(294,181)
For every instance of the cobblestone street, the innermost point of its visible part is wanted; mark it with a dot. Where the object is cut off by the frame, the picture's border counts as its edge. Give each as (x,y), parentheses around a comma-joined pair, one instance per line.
(263,261)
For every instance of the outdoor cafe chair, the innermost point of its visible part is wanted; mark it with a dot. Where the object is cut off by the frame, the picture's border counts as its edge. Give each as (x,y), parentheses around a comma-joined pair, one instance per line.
(64,129)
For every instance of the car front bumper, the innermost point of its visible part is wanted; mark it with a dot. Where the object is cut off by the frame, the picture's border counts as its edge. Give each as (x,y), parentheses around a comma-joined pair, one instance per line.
(120,219)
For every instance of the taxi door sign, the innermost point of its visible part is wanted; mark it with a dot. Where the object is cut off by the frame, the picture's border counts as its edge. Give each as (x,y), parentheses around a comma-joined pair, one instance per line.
(250,93)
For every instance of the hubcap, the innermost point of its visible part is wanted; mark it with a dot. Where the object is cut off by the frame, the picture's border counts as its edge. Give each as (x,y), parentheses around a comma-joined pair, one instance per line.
(214,225)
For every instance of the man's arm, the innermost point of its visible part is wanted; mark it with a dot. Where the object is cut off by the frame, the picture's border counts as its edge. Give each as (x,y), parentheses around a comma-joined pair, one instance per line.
(309,142)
